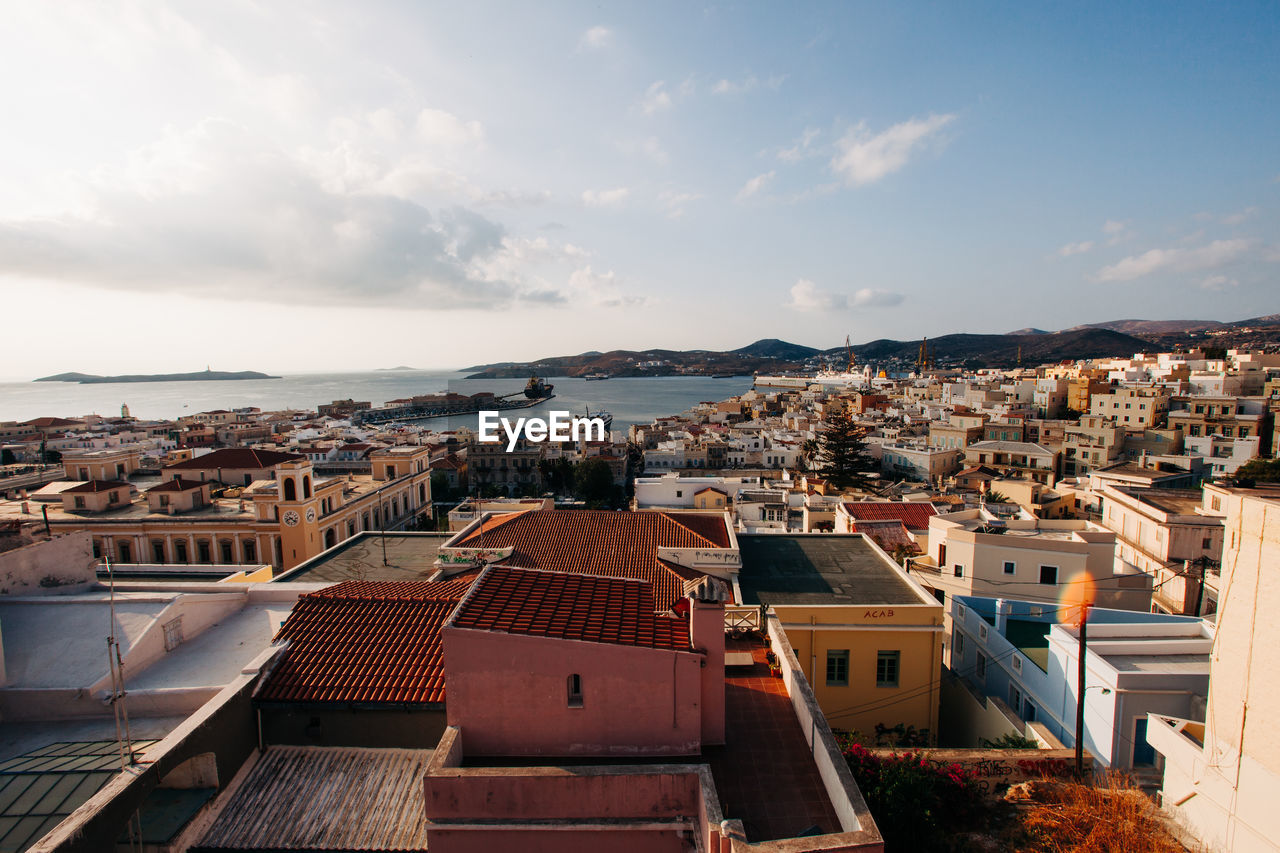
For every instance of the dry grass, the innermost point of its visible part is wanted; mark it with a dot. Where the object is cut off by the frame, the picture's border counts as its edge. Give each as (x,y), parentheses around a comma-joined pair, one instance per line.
(1113,817)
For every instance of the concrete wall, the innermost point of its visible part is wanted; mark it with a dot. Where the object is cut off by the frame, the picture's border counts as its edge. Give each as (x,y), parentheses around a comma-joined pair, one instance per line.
(510,692)
(967,718)
(59,565)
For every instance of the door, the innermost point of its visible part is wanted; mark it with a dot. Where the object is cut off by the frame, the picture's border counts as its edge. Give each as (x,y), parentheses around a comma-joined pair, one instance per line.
(1144,754)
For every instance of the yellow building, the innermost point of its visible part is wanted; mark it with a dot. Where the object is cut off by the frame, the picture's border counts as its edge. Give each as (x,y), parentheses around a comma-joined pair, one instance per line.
(283,518)
(868,637)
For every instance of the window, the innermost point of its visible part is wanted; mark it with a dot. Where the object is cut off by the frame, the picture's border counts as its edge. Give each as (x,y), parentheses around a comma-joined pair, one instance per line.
(679,493)
(887,669)
(980,667)
(837,667)
(957,647)
(173,634)
(1017,663)
(1015,698)
(306,486)
(391,472)
(940,595)
(982,632)
(575,691)
(1029,712)
(125,552)
(228,555)
(180,549)
(157,550)
(1216,503)
(204,554)
(1206,543)
(958,569)
(1010,567)
(250,549)
(1048,575)
(79,502)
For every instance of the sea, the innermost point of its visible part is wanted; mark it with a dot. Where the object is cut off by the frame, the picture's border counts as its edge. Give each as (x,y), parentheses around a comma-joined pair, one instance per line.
(631,400)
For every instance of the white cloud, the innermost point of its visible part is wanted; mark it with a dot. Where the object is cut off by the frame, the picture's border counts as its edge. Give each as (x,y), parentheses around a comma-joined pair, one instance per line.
(754,186)
(438,127)
(807,296)
(1114,226)
(800,149)
(1075,248)
(1239,216)
(605,198)
(1218,282)
(656,99)
(601,289)
(649,148)
(865,157)
(223,211)
(1216,254)
(730,87)
(596,38)
(676,202)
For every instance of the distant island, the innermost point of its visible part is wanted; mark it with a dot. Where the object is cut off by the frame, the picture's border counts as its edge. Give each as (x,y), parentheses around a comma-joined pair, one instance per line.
(398,367)
(200,376)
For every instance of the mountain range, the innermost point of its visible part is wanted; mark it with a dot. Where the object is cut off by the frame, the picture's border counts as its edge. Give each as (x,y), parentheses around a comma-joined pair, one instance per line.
(1028,346)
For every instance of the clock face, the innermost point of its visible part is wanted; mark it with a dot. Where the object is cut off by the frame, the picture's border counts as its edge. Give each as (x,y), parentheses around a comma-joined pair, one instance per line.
(291,518)
(311,513)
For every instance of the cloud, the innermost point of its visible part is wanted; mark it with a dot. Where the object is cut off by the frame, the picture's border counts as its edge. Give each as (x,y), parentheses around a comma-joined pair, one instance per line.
(800,149)
(596,38)
(1075,248)
(601,289)
(675,202)
(1218,282)
(445,129)
(656,99)
(605,198)
(754,186)
(1114,226)
(729,87)
(808,297)
(650,148)
(865,158)
(1216,254)
(221,212)
(1239,216)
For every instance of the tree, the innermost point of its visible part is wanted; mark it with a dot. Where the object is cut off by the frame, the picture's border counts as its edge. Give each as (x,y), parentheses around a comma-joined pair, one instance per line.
(1259,471)
(593,482)
(843,458)
(809,453)
(994,497)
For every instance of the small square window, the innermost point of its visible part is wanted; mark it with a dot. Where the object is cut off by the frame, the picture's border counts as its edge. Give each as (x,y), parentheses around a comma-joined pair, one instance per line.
(958,569)
(887,668)
(837,667)
(982,632)
(1049,575)
(1010,567)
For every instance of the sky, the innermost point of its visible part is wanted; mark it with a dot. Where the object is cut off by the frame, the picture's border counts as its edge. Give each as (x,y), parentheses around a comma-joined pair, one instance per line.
(318,186)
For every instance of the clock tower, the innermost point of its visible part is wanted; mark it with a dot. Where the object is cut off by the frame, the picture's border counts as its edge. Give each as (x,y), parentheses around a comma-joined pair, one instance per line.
(299,512)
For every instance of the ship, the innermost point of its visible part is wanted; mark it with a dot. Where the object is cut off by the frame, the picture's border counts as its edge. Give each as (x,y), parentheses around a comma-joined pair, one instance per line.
(595,377)
(537,389)
(607,417)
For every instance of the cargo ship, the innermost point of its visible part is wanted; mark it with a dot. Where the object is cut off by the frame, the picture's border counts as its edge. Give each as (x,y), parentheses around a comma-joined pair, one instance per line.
(450,405)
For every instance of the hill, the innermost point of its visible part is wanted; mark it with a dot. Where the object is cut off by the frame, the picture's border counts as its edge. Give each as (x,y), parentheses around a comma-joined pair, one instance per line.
(200,376)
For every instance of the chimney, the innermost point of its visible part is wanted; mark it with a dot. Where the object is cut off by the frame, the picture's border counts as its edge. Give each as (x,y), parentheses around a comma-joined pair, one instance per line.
(707,597)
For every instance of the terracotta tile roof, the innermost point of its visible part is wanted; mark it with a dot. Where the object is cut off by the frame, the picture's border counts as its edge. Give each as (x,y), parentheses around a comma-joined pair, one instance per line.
(234,457)
(589,608)
(367,642)
(600,542)
(96,486)
(888,534)
(177,484)
(914,516)
(50,422)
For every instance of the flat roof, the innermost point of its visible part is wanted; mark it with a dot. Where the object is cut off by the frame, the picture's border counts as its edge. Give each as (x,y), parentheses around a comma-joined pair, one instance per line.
(819,569)
(409,557)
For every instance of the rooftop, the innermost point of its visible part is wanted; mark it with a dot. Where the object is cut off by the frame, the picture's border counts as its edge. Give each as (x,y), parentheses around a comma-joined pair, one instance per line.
(234,457)
(570,607)
(409,557)
(804,569)
(599,542)
(314,798)
(914,516)
(366,642)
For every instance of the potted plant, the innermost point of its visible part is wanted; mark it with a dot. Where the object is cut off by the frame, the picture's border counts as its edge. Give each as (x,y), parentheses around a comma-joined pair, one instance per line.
(775,670)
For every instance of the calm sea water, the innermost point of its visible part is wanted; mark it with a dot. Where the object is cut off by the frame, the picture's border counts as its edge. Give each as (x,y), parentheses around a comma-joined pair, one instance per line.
(630,400)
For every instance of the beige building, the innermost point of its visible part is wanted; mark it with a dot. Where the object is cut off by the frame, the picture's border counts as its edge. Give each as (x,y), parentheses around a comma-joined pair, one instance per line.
(1135,409)
(112,464)
(1094,442)
(1019,458)
(974,552)
(1221,776)
(1162,530)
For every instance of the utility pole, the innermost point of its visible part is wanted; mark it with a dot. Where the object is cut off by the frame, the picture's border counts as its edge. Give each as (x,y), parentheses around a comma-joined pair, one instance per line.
(1080,677)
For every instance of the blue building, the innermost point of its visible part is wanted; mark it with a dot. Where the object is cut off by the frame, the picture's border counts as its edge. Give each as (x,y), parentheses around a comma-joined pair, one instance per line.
(1022,653)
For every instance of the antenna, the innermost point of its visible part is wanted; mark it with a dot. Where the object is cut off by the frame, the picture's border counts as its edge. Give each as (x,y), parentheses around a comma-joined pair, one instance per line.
(116,667)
